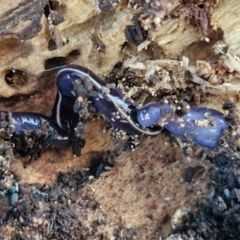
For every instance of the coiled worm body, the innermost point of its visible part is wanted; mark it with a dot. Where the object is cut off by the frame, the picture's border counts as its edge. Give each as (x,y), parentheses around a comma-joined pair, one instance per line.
(108,101)
(205,126)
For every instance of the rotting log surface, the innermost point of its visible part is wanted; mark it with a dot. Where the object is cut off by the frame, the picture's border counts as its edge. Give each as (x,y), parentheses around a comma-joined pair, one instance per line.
(138,196)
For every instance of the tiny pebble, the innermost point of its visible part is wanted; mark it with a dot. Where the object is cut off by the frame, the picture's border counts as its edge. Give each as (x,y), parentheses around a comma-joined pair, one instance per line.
(14,198)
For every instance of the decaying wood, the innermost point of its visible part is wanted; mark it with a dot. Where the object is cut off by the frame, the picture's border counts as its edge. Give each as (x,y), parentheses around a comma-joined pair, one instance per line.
(21,18)
(145,187)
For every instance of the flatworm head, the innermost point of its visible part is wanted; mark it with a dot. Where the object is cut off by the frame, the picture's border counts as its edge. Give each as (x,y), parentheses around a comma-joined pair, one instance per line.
(152,113)
(205,126)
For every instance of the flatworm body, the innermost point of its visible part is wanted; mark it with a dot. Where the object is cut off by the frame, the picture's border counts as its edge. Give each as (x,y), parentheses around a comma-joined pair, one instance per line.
(108,101)
(205,126)
(27,120)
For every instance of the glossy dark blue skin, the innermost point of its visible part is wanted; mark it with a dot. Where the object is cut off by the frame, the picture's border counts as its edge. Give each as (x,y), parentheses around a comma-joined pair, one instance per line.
(111,103)
(25,120)
(69,74)
(28,120)
(67,114)
(106,108)
(205,126)
(143,121)
(65,80)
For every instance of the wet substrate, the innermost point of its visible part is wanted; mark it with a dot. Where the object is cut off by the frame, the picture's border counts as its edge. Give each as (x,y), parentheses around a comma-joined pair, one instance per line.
(218,215)
(67,209)
(54,212)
